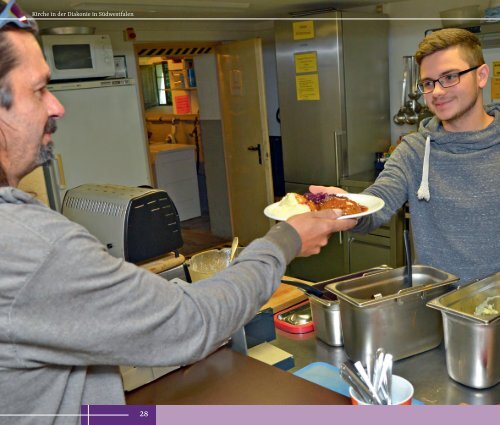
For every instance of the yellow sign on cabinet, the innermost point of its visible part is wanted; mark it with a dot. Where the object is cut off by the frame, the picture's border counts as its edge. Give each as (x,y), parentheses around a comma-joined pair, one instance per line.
(303,30)
(306,62)
(496,68)
(495,88)
(307,87)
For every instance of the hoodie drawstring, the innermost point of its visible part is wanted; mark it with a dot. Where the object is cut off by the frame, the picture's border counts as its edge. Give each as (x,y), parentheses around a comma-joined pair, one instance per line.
(423,190)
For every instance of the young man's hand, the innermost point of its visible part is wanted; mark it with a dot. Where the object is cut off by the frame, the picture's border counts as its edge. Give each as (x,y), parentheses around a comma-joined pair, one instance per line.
(326,189)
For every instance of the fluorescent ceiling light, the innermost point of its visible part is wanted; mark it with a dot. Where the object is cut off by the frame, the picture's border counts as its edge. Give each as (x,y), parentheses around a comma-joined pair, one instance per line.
(164,4)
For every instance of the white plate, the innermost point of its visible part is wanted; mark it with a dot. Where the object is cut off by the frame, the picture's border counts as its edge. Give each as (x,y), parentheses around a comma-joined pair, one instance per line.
(373,203)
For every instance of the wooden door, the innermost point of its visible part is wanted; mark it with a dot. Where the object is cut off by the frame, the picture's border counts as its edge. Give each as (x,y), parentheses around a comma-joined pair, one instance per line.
(246,138)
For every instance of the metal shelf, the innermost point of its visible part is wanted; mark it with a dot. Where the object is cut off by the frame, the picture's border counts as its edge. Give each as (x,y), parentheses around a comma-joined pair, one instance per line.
(487,32)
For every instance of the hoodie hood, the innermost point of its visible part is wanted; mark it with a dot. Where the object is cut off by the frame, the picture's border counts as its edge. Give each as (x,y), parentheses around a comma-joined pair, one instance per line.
(466,141)
(11,195)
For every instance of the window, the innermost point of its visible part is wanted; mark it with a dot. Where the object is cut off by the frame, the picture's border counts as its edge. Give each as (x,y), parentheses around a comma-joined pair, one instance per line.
(149,86)
(162,83)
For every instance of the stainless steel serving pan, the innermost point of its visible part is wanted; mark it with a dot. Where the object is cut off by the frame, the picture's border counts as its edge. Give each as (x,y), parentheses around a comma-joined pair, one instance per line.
(381,311)
(325,309)
(472,342)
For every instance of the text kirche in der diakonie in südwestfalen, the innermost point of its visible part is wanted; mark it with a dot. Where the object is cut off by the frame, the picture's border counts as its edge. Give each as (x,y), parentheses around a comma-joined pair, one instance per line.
(74,14)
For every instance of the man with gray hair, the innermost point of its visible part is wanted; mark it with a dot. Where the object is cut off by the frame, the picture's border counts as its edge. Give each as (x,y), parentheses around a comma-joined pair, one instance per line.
(70,313)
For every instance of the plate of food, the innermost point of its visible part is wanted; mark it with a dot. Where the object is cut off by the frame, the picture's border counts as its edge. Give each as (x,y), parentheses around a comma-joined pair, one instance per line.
(353,205)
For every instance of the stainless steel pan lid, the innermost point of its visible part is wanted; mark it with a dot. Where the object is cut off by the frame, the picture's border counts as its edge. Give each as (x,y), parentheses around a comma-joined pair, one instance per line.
(316,291)
(390,285)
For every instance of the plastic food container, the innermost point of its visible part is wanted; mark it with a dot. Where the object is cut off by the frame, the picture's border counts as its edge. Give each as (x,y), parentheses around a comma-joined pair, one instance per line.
(472,342)
(401,394)
(380,311)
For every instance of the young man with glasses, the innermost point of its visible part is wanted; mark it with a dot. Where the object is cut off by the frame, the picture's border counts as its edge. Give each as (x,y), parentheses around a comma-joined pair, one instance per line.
(70,312)
(448,171)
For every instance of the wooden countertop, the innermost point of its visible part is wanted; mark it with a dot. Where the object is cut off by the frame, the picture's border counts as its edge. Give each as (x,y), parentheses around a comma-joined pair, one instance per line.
(228,377)
(161,264)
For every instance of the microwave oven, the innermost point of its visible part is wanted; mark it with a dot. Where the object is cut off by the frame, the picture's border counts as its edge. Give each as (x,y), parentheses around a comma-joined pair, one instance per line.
(73,57)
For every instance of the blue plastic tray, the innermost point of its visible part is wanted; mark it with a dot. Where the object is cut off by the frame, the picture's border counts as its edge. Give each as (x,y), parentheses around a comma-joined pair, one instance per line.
(328,376)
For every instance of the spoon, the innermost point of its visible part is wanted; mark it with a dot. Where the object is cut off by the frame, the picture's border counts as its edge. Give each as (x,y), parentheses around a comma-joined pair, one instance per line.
(298,319)
(350,375)
(234,247)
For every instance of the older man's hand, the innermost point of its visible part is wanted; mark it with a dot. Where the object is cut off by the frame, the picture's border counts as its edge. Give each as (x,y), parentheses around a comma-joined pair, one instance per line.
(314,228)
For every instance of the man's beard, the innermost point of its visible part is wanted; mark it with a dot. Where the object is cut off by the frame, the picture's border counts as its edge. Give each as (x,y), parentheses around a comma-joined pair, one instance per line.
(46,152)
(460,113)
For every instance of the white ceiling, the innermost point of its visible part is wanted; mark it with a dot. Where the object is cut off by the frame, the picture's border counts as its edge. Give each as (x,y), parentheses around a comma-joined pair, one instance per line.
(194,8)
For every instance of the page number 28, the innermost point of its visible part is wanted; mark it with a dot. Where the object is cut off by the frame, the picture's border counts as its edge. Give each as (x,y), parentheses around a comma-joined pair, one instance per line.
(143,413)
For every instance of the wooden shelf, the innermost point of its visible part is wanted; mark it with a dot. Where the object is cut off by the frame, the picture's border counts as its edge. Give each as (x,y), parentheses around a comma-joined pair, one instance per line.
(178,89)
(167,118)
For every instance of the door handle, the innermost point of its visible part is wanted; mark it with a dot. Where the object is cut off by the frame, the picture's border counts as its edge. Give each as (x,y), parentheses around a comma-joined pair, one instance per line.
(337,159)
(256,148)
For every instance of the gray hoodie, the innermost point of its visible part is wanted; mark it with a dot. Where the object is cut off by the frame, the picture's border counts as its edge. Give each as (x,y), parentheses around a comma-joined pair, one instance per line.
(70,312)
(458,228)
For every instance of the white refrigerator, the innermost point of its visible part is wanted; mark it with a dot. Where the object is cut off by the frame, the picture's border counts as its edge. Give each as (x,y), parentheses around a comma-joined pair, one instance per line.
(101,138)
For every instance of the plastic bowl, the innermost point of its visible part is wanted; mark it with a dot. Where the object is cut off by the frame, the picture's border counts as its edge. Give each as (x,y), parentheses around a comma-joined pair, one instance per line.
(401,394)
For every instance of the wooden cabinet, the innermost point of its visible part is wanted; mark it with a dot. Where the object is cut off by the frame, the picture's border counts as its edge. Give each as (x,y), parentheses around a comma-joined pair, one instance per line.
(366,251)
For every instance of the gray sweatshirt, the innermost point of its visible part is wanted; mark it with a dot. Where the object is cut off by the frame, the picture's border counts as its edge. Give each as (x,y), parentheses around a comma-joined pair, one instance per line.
(70,312)
(458,228)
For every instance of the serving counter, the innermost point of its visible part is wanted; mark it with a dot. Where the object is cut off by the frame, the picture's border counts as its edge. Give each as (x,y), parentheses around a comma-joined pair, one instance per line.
(227,377)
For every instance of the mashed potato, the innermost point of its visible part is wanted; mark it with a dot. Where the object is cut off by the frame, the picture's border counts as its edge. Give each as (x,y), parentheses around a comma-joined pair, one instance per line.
(289,206)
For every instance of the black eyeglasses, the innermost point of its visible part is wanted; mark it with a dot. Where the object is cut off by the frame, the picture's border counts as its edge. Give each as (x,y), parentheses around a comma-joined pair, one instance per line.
(448,80)
(11,13)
